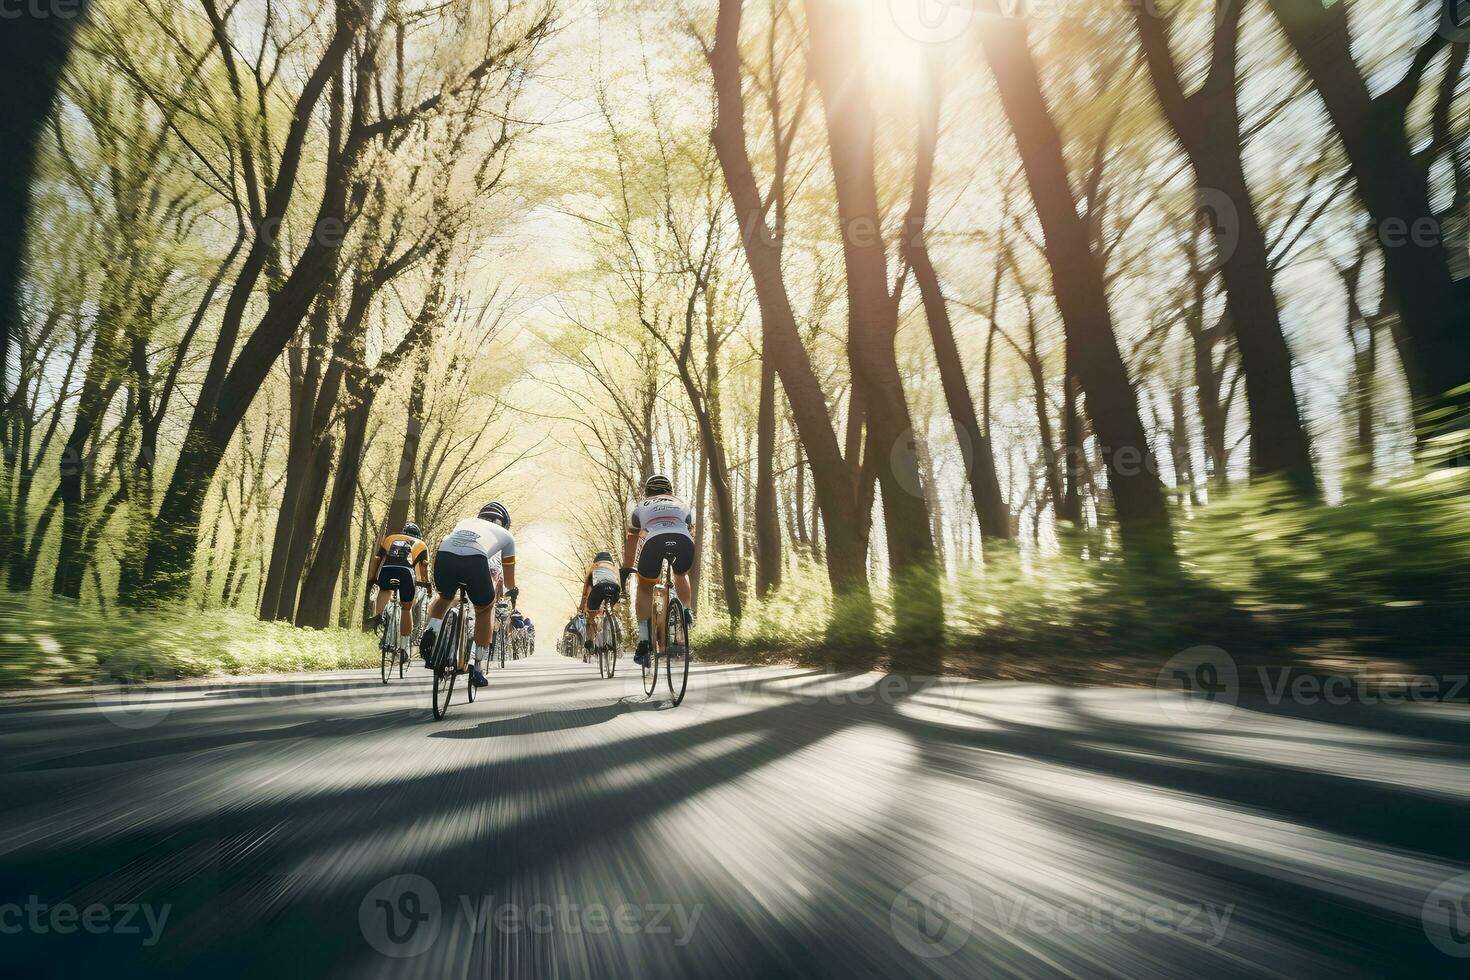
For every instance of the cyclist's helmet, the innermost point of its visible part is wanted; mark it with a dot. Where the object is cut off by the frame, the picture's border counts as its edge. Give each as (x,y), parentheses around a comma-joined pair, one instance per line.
(413,530)
(496,513)
(603,556)
(658,486)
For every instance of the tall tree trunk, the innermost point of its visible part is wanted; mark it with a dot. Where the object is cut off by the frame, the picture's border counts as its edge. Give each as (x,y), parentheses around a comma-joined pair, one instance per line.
(228,389)
(398,510)
(319,589)
(33,54)
(979,454)
(832,475)
(1081,296)
(1207,124)
(292,565)
(1393,185)
(768,563)
(700,491)
(872,331)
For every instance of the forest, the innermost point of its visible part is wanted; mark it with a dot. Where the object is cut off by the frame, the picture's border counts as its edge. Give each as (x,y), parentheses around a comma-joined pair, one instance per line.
(1000,337)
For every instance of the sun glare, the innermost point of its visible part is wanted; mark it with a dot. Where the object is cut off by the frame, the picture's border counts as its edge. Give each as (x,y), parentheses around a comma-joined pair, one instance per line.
(894,57)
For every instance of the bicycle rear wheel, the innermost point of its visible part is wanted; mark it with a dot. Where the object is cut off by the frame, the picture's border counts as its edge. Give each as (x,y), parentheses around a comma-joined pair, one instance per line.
(388,641)
(676,652)
(446,650)
(466,650)
(650,669)
(611,647)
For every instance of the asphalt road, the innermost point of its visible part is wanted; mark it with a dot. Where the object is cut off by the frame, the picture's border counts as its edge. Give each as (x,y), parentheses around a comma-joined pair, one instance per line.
(781,822)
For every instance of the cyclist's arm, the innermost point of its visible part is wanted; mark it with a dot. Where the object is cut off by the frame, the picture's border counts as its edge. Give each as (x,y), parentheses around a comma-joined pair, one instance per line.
(509,566)
(423,570)
(630,546)
(586,593)
(377,565)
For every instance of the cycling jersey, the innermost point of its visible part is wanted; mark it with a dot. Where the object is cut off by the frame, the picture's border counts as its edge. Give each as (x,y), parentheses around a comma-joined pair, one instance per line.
(402,551)
(665,514)
(474,537)
(602,573)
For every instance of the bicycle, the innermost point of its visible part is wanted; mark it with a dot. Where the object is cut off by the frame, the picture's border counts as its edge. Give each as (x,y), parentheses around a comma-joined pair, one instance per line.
(450,649)
(502,639)
(670,640)
(391,627)
(609,642)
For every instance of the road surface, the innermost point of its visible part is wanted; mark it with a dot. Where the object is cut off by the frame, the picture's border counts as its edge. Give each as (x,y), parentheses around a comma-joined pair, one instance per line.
(782,822)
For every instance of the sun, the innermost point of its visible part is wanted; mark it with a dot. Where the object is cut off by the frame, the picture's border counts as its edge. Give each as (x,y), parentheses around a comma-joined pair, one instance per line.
(894,55)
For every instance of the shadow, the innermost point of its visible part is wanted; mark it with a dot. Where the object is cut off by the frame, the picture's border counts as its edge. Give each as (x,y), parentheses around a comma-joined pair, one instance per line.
(496,824)
(160,748)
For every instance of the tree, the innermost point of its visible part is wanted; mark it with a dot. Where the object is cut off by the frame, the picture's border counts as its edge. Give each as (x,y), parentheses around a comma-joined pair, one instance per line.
(1207,124)
(834,478)
(1392,181)
(1081,296)
(33,53)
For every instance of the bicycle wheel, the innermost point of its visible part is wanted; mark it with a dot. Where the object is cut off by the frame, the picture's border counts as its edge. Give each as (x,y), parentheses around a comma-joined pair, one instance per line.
(388,641)
(466,651)
(617,647)
(650,669)
(676,652)
(445,652)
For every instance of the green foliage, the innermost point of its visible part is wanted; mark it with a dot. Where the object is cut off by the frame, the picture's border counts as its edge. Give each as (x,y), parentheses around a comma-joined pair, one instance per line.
(1382,575)
(56,643)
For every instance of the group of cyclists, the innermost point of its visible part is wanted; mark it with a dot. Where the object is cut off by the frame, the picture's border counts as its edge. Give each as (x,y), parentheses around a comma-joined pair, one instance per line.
(478,559)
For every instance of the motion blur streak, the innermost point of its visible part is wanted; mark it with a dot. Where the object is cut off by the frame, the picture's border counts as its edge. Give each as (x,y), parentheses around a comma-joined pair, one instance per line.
(782,822)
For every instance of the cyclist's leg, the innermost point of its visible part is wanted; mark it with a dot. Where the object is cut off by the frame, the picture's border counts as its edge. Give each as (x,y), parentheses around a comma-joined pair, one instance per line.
(682,561)
(446,584)
(481,590)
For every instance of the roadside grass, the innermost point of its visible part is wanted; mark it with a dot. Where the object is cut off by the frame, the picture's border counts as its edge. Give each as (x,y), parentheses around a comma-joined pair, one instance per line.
(45,643)
(1376,582)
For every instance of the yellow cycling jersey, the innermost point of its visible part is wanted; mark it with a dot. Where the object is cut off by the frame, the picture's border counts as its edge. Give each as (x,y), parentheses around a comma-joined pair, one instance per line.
(402,551)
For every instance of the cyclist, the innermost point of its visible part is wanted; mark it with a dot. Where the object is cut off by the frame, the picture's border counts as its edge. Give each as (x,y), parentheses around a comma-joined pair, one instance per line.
(600,589)
(399,557)
(660,529)
(530,637)
(464,561)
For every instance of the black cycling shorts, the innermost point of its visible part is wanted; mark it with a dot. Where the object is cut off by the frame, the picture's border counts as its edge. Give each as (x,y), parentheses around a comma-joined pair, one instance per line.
(675,548)
(391,575)
(603,592)
(469,572)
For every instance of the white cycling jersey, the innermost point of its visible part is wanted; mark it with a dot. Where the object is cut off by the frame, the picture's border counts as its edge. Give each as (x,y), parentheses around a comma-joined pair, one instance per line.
(473,536)
(664,514)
